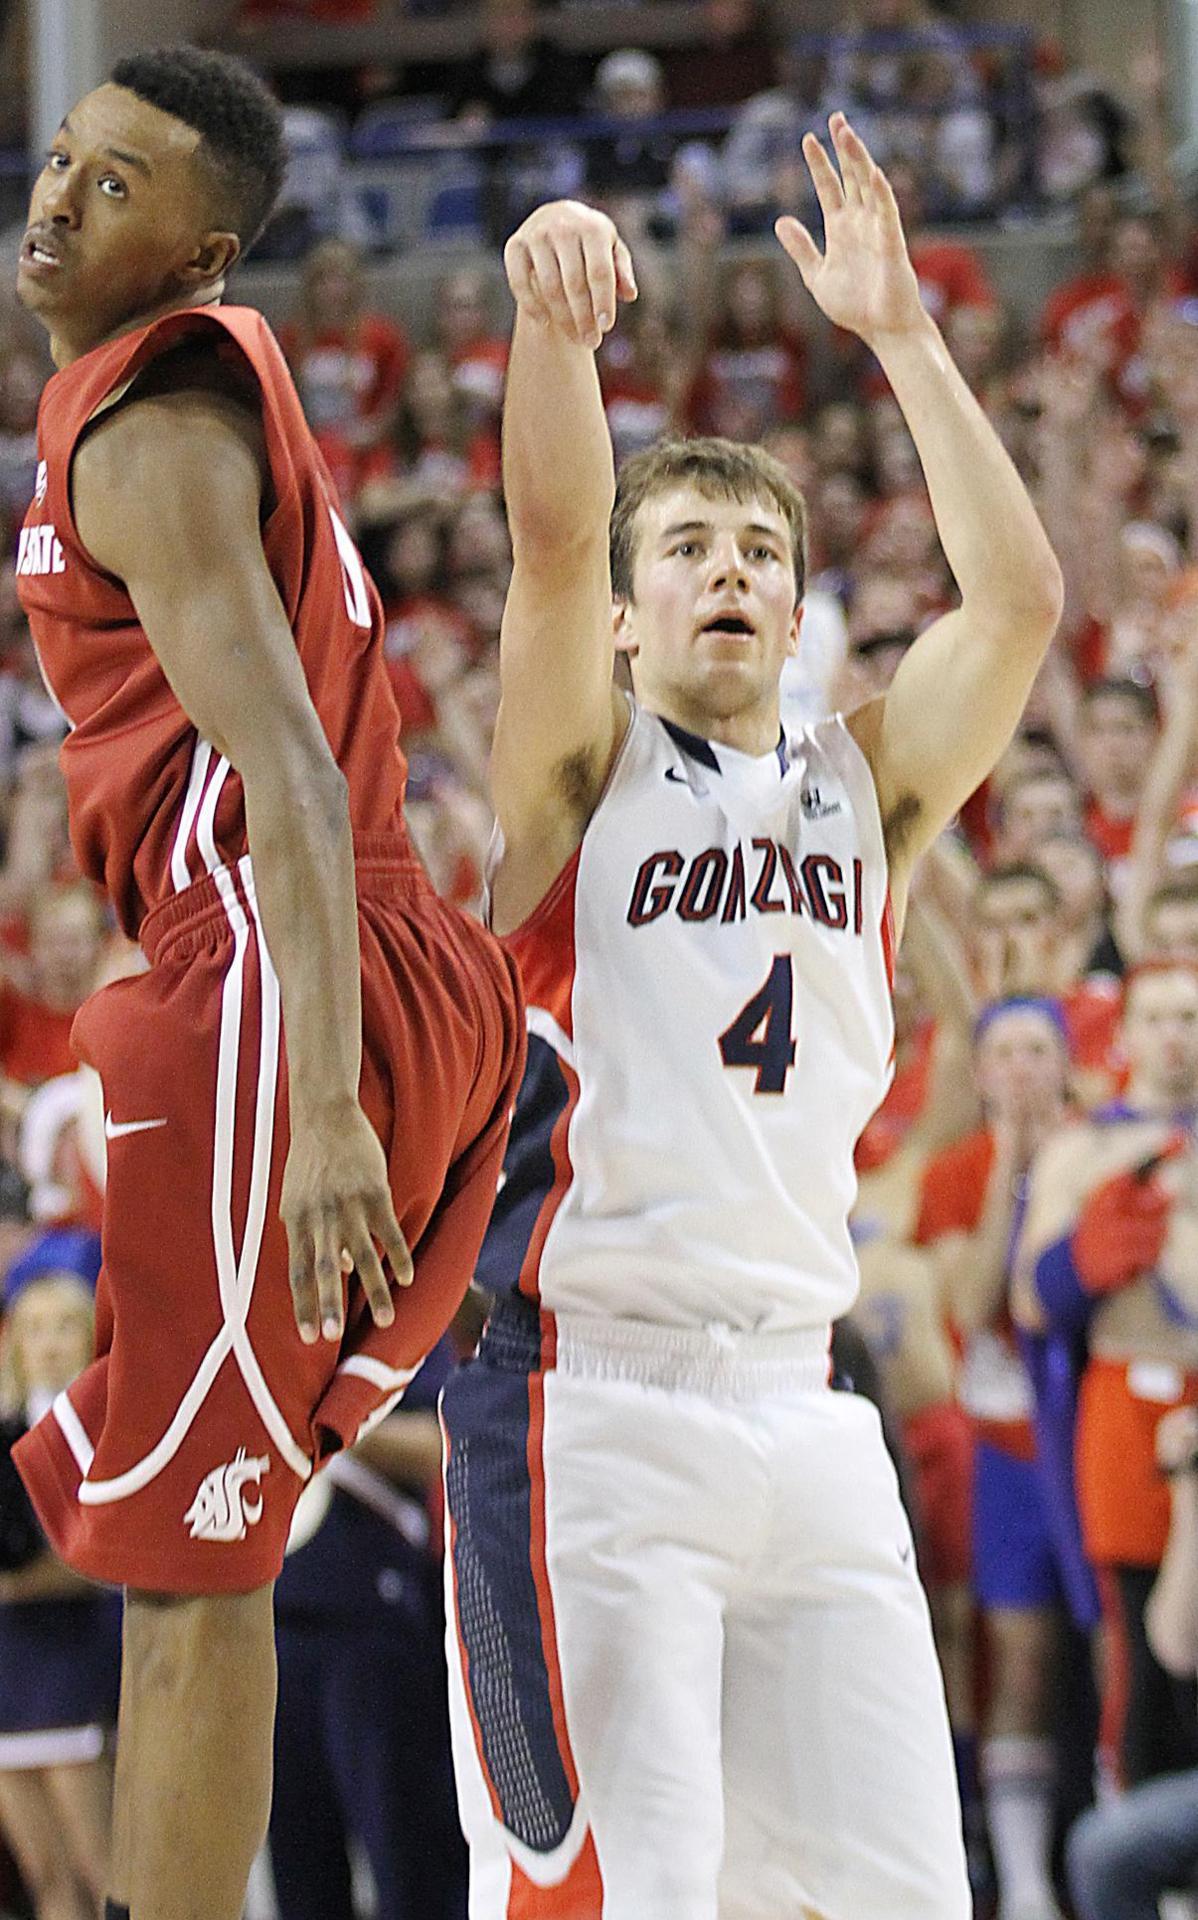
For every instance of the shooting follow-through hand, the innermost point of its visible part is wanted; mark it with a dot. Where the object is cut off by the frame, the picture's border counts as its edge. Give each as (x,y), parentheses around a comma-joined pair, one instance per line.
(863,280)
(568,268)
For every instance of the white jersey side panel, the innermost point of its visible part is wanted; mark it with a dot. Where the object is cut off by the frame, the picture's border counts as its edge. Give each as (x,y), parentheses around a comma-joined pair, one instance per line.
(709,990)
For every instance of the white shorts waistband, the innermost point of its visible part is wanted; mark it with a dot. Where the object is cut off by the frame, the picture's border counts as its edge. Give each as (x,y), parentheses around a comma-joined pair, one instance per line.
(717,1361)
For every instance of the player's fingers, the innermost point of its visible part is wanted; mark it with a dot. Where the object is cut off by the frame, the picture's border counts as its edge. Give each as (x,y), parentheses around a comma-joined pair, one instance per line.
(327,1240)
(884,201)
(371,1278)
(575,265)
(547,279)
(625,272)
(824,177)
(849,159)
(388,1232)
(798,243)
(302,1277)
(599,264)
(518,266)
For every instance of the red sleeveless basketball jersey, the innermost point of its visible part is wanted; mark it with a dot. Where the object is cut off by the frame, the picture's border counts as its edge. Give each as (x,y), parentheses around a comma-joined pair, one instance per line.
(153,807)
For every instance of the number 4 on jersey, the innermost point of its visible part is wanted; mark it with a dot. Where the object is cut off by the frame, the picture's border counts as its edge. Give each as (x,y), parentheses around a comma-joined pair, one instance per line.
(760,1035)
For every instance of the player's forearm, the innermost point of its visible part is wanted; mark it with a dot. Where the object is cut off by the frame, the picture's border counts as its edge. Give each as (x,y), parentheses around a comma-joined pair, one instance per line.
(992,537)
(558,471)
(303,859)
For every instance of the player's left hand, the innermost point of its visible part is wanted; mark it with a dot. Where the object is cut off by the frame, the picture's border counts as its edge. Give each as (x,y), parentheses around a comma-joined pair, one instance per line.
(337,1209)
(863,280)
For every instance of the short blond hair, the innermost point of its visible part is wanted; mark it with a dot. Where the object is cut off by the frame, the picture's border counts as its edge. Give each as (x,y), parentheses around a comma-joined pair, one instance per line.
(718,469)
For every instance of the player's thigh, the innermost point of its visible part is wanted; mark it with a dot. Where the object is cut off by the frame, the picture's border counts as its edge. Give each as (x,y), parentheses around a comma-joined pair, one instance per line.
(82,1799)
(840,1791)
(30,1823)
(613,1695)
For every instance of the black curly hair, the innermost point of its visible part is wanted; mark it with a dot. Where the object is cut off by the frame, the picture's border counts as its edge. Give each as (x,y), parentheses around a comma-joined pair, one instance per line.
(240,121)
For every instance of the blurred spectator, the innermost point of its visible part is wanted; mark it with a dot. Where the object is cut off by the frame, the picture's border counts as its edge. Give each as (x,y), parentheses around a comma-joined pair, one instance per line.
(428,640)
(517,73)
(970,1201)
(59,1636)
(761,162)
(633,161)
(475,349)
(1087,303)
(869,61)
(44,989)
(1033,804)
(21,377)
(349,363)
(1116,733)
(1108,1223)
(753,370)
(1125,1855)
(944,131)
(950,273)
(730,58)
(362,1729)
(1077,870)
(643,372)
(28,716)
(1017,951)
(438,445)
(1082,136)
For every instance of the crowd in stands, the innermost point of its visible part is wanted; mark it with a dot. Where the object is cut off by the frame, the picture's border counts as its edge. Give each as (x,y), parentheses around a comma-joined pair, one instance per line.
(1028,1214)
(995,121)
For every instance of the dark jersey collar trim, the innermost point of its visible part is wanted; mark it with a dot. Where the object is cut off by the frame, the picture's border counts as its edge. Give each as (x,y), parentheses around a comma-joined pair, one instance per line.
(696,748)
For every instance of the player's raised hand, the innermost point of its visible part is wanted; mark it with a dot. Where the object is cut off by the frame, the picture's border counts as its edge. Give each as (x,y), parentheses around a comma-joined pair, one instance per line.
(568,269)
(337,1209)
(863,280)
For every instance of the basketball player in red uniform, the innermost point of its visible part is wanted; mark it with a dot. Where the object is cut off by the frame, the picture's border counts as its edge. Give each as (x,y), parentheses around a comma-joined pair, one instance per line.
(236,786)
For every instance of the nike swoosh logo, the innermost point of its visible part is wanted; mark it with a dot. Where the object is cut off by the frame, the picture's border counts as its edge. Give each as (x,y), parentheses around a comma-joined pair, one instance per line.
(117,1129)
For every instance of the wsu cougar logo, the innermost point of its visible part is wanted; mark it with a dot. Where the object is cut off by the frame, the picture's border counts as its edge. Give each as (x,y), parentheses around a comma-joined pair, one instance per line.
(223,1509)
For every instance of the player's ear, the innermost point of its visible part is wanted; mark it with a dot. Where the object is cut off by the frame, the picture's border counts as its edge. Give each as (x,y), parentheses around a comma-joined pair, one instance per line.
(622,626)
(792,638)
(213,258)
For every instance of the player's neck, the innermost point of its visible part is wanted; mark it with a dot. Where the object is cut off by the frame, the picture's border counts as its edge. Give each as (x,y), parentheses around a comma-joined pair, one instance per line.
(64,348)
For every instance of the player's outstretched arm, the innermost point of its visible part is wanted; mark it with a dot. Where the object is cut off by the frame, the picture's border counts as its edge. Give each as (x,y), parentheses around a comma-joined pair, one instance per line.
(958,695)
(167,497)
(558,718)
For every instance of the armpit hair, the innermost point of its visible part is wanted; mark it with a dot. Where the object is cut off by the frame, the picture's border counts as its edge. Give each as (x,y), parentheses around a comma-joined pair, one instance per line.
(899,823)
(577,780)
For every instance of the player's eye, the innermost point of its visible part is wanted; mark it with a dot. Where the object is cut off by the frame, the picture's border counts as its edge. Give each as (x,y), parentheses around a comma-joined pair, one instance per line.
(110,180)
(53,157)
(686,548)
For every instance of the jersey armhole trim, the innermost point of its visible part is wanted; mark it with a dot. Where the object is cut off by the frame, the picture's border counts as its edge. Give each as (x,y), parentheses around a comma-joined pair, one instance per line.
(163,337)
(567,874)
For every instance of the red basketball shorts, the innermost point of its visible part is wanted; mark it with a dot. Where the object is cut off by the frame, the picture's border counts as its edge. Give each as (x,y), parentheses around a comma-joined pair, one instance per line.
(174,1462)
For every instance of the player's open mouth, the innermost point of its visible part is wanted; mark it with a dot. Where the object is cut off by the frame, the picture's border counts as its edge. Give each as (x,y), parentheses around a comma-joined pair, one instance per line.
(38,252)
(734,623)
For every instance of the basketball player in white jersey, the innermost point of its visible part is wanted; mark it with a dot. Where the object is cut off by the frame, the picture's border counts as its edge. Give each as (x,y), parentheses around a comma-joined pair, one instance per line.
(692,1667)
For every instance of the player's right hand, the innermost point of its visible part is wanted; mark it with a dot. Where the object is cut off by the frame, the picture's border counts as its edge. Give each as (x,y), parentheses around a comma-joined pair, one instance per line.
(336,1206)
(568,269)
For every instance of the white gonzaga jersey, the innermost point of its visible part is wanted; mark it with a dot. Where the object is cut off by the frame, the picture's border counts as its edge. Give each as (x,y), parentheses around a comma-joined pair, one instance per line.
(710,1028)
